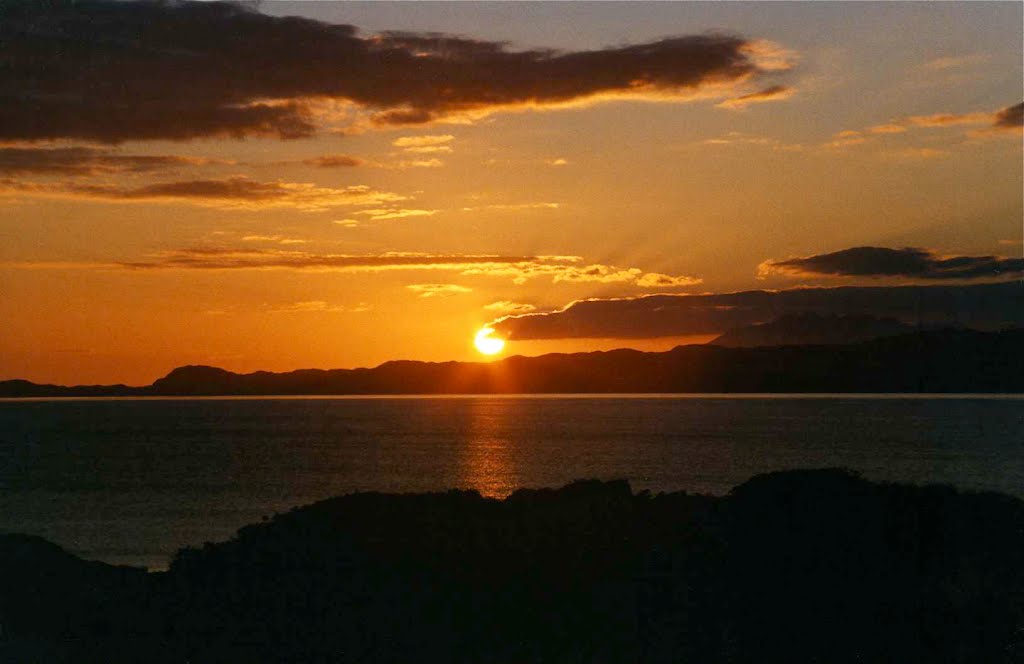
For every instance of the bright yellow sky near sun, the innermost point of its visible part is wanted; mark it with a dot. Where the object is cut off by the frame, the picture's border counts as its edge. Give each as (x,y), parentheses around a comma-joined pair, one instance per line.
(375,256)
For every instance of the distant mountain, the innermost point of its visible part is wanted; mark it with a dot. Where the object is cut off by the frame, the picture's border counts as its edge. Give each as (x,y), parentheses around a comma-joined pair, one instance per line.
(932,361)
(810,328)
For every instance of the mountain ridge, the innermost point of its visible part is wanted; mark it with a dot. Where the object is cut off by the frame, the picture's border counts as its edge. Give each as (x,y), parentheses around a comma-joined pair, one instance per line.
(810,328)
(926,361)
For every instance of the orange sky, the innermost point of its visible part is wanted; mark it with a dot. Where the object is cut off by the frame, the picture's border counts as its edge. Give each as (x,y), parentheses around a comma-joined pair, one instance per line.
(270,194)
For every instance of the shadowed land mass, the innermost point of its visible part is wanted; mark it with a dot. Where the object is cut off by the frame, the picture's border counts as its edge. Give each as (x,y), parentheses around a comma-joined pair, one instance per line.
(797,566)
(947,360)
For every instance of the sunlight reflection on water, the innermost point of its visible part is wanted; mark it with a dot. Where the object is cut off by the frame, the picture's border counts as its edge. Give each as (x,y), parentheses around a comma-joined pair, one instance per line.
(131,481)
(487,462)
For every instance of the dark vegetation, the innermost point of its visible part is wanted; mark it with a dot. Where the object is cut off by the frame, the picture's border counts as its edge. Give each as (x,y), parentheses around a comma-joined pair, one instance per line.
(801,566)
(930,361)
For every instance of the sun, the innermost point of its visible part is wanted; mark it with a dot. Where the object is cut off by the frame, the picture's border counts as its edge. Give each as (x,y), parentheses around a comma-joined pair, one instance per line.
(487,344)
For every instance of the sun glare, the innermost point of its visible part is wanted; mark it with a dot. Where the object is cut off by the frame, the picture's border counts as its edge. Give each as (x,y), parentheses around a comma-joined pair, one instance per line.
(487,344)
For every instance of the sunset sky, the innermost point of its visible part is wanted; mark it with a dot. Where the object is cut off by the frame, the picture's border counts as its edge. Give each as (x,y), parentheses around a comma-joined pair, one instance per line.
(211,184)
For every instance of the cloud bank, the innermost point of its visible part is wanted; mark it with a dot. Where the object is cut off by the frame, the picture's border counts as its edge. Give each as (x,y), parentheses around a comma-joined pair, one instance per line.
(109,71)
(907,262)
(519,269)
(984,306)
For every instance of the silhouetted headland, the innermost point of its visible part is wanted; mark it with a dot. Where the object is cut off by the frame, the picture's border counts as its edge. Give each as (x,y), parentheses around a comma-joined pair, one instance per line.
(947,360)
(798,566)
(810,328)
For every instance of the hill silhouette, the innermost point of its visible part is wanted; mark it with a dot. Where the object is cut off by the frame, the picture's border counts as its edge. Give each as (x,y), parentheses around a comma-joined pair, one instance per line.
(809,328)
(798,566)
(930,361)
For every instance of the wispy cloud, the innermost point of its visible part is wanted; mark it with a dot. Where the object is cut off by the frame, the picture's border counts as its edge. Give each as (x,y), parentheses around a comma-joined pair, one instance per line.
(320,306)
(438,290)
(519,269)
(278,239)
(236,192)
(657,280)
(415,163)
(887,128)
(509,307)
(1005,120)
(845,139)
(919,153)
(948,62)
(381,214)
(773,93)
(734,138)
(951,119)
(423,141)
(514,206)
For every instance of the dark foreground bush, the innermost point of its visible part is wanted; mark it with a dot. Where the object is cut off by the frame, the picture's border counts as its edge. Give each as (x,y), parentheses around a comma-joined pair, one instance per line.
(802,566)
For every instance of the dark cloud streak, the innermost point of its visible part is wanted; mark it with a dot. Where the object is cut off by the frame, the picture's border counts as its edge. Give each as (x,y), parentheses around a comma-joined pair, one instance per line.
(1010,117)
(86,161)
(907,262)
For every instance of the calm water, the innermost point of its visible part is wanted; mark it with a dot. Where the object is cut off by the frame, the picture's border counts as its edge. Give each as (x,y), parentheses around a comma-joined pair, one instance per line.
(131,481)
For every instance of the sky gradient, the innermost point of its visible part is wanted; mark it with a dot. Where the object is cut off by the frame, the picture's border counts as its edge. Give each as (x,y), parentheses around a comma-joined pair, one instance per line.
(211,184)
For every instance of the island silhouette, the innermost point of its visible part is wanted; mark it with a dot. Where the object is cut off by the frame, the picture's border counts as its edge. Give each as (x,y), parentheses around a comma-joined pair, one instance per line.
(937,361)
(796,567)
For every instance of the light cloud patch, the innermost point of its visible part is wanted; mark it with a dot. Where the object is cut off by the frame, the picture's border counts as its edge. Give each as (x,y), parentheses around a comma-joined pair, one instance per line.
(320,306)
(514,206)
(415,163)
(382,214)
(657,280)
(919,153)
(430,149)
(773,93)
(888,128)
(438,290)
(278,239)
(509,307)
(948,62)
(424,141)
(735,138)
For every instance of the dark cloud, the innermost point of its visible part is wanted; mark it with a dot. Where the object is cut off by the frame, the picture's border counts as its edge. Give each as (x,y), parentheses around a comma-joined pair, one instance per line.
(984,306)
(85,161)
(1010,117)
(205,258)
(885,262)
(334,161)
(232,192)
(115,71)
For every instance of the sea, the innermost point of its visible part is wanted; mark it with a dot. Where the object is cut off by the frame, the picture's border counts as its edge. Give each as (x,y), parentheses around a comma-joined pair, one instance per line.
(132,481)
